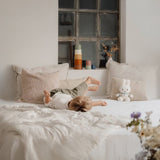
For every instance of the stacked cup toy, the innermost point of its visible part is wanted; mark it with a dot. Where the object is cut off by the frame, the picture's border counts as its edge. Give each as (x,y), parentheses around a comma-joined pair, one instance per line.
(78,57)
(88,64)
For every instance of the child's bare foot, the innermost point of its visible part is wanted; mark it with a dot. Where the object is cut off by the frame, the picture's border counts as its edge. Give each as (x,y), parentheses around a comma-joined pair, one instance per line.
(47,96)
(91,80)
(92,88)
(103,103)
(46,93)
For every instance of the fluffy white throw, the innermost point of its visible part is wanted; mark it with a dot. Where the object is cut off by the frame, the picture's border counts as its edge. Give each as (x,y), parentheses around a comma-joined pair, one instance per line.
(36,133)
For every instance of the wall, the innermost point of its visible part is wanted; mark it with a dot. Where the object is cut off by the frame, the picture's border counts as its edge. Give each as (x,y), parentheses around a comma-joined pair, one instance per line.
(142,37)
(142,31)
(29,34)
(28,37)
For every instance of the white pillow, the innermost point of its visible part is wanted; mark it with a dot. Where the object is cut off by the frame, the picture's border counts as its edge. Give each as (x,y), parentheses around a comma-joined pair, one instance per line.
(61,68)
(148,74)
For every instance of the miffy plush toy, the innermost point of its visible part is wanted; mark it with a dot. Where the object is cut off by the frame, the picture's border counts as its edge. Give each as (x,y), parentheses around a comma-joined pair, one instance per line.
(125,90)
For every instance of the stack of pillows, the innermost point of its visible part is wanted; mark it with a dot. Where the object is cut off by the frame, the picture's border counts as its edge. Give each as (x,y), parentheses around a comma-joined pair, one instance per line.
(32,81)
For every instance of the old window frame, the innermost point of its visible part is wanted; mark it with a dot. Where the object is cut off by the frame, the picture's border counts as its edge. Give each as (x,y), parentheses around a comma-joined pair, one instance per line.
(98,38)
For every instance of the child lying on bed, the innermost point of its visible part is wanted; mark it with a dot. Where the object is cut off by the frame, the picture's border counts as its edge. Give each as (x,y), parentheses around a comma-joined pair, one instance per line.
(73,99)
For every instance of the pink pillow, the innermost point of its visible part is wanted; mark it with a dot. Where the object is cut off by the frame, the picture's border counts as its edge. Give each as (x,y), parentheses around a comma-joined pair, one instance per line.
(33,85)
(61,68)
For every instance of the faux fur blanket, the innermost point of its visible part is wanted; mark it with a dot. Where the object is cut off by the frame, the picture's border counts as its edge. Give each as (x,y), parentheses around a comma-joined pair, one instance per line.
(36,133)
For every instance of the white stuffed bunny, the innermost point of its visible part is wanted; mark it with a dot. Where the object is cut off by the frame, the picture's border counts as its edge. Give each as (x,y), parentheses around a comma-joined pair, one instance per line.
(125,90)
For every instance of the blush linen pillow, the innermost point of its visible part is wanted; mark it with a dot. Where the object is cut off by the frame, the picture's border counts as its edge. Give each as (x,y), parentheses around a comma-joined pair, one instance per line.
(137,89)
(61,68)
(33,85)
(147,74)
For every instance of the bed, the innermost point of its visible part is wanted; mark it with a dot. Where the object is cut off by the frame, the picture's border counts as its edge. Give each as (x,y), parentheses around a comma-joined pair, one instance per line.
(31,131)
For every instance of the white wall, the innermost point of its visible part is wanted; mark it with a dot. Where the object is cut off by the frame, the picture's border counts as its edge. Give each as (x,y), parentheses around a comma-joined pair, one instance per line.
(142,36)
(28,37)
(143,31)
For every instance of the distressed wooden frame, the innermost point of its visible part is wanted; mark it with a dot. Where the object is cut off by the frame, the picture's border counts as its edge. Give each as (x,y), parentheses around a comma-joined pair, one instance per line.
(97,38)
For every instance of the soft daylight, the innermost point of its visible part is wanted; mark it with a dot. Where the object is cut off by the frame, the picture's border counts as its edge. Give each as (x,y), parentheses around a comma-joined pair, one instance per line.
(79,80)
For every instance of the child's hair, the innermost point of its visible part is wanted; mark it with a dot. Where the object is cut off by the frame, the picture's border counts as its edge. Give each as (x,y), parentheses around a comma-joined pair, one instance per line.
(80,103)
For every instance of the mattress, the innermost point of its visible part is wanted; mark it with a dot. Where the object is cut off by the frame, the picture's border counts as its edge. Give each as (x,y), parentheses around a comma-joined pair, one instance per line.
(119,144)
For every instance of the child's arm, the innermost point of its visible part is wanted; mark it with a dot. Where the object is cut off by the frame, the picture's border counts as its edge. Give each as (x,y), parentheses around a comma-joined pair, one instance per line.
(98,103)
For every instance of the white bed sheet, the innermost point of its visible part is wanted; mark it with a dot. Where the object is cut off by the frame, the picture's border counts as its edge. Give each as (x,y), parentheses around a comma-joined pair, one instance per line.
(12,103)
(124,109)
(118,142)
(121,144)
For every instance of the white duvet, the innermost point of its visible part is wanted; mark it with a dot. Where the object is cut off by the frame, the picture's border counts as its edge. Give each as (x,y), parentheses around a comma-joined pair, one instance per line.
(36,133)
(32,132)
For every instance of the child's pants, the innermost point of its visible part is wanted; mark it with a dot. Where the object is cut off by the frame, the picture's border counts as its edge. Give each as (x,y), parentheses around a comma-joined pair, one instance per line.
(75,92)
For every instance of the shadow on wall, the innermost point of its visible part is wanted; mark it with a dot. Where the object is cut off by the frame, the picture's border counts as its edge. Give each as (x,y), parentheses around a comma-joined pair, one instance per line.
(7,83)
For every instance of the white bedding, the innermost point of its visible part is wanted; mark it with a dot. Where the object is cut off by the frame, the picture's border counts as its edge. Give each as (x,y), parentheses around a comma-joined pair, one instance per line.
(124,109)
(32,132)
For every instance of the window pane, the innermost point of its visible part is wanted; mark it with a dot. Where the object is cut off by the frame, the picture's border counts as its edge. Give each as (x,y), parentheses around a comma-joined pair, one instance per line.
(66,24)
(87,4)
(66,3)
(89,51)
(109,25)
(65,53)
(109,4)
(87,24)
(112,48)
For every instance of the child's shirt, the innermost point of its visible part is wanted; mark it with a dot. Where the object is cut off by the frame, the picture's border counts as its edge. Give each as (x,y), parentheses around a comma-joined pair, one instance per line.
(59,101)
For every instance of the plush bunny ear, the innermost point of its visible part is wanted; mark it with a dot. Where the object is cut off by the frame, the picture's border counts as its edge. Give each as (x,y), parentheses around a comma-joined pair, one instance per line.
(123,81)
(128,82)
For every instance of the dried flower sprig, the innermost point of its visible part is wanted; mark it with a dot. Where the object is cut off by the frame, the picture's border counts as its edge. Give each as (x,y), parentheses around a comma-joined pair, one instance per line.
(149,136)
(108,50)
(135,120)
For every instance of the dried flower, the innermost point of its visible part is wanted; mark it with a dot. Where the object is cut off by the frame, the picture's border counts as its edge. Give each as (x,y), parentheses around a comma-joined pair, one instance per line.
(135,115)
(157,155)
(149,136)
(149,113)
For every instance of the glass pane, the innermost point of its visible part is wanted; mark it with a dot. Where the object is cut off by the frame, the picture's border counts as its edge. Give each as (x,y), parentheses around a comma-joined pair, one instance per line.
(66,24)
(89,51)
(109,4)
(110,47)
(65,53)
(89,4)
(66,3)
(109,25)
(87,24)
